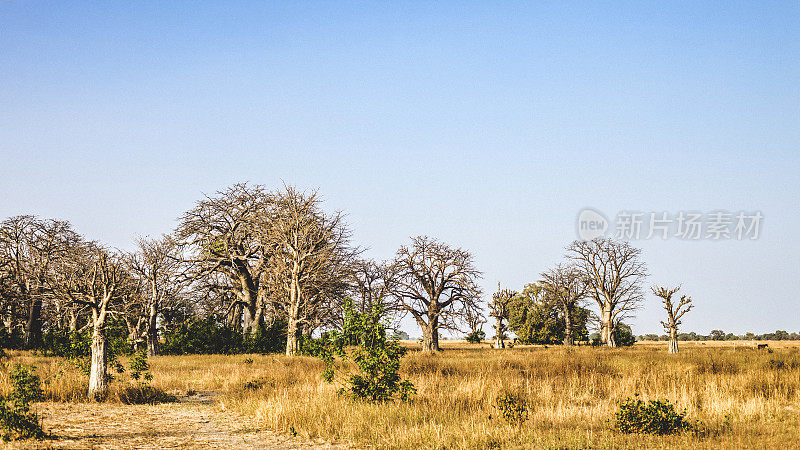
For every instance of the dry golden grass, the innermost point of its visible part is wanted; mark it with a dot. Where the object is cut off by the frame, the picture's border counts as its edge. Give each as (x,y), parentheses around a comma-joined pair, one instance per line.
(747,398)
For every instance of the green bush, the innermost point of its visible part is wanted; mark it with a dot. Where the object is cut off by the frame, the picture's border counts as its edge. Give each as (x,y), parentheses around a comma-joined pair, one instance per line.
(16,420)
(476,337)
(377,358)
(654,417)
(513,408)
(209,336)
(623,335)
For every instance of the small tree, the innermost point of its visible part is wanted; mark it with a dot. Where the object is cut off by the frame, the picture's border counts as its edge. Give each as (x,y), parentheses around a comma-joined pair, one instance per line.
(377,357)
(674,312)
(499,309)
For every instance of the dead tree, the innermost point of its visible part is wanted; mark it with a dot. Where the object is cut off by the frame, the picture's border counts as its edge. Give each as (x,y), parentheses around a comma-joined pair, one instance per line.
(222,235)
(434,283)
(613,273)
(310,262)
(674,312)
(565,285)
(499,309)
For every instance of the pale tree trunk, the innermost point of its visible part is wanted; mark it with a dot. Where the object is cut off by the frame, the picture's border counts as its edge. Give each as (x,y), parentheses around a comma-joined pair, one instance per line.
(568,338)
(152,331)
(606,324)
(294,333)
(98,384)
(73,322)
(499,343)
(294,329)
(673,341)
(235,316)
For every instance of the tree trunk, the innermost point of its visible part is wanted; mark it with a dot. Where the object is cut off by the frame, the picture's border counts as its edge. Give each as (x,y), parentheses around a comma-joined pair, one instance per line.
(568,338)
(33,329)
(98,384)
(673,341)
(430,337)
(152,331)
(294,333)
(499,343)
(73,322)
(606,324)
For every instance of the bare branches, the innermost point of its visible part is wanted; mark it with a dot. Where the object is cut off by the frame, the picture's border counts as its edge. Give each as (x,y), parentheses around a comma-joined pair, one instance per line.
(613,273)
(674,312)
(310,260)
(434,282)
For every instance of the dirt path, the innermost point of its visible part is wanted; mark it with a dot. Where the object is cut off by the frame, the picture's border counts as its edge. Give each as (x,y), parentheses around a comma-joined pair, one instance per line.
(193,422)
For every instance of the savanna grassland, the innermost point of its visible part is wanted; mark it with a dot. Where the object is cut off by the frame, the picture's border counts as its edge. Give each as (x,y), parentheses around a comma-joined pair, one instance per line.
(743,397)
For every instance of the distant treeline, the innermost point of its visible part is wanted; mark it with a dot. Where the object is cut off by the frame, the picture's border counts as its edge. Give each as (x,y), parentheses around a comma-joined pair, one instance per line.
(719,335)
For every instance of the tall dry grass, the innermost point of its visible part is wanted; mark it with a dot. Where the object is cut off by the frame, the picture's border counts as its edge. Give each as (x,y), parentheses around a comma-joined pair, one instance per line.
(747,398)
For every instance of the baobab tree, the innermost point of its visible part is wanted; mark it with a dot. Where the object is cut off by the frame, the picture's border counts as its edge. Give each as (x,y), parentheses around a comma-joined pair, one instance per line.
(674,312)
(498,309)
(310,261)
(223,235)
(434,283)
(156,265)
(566,287)
(95,278)
(613,272)
(32,247)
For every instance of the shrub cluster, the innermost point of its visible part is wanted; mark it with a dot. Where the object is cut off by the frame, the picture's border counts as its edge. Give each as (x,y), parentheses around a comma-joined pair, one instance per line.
(209,336)
(654,417)
(16,419)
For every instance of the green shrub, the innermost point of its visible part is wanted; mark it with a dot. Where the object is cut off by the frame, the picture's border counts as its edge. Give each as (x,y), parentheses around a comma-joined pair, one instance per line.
(139,367)
(210,336)
(513,408)
(475,337)
(654,417)
(16,420)
(377,358)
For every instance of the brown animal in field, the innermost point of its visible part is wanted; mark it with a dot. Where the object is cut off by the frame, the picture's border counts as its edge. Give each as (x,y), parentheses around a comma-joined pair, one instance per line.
(762,346)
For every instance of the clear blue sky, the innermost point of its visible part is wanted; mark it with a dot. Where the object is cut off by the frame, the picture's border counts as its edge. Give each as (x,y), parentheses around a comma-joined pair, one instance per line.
(486,124)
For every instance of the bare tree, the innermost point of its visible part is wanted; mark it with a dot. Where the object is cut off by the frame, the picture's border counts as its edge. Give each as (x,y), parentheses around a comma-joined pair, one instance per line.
(310,262)
(434,283)
(613,273)
(565,285)
(499,309)
(156,265)
(31,247)
(223,235)
(96,279)
(674,312)
(474,317)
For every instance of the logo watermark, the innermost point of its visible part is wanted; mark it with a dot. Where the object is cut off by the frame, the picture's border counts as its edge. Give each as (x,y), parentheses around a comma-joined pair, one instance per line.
(684,225)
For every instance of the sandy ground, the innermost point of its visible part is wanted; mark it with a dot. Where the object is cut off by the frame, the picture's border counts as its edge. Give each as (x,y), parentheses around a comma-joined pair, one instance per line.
(193,422)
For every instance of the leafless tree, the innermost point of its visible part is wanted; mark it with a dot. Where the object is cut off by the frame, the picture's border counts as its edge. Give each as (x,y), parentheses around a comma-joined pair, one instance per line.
(474,318)
(434,283)
(565,285)
(310,261)
(156,264)
(222,235)
(95,278)
(499,309)
(30,248)
(613,273)
(674,312)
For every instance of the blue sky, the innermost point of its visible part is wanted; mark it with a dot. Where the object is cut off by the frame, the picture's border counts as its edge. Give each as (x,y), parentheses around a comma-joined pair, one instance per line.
(489,125)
